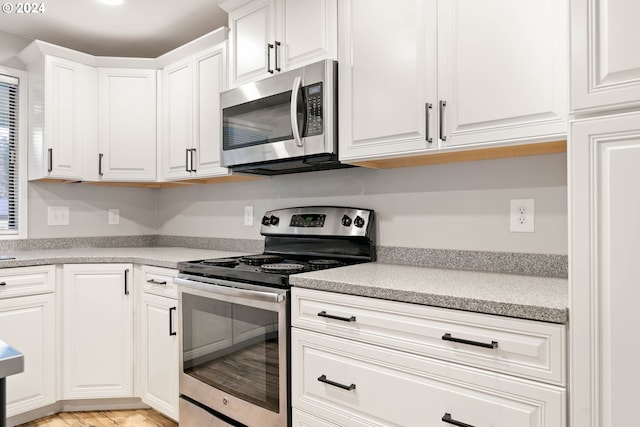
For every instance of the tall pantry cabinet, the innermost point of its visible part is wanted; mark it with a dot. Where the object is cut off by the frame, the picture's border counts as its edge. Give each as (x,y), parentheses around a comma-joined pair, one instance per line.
(604,201)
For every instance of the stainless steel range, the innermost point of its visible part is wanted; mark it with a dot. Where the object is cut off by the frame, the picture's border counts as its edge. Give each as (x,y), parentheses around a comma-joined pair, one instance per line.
(235,323)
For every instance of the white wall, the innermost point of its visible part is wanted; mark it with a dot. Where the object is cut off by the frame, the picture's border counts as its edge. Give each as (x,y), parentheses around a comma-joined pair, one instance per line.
(10,45)
(88,210)
(450,206)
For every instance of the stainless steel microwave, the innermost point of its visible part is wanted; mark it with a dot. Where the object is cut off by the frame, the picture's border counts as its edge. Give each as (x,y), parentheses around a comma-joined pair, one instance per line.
(282,124)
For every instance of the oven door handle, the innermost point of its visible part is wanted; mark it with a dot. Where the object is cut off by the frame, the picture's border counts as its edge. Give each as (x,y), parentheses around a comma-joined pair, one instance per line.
(232,292)
(297,83)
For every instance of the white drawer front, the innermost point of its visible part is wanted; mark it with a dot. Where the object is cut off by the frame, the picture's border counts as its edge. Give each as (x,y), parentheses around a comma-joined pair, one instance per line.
(525,348)
(303,419)
(389,388)
(21,281)
(159,281)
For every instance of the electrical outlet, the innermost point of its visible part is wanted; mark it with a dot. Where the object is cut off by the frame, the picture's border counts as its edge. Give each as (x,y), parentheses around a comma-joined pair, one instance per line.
(58,215)
(114,216)
(248,216)
(522,215)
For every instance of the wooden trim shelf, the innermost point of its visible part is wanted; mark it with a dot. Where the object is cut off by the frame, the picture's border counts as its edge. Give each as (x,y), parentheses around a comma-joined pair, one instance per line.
(467,155)
(167,184)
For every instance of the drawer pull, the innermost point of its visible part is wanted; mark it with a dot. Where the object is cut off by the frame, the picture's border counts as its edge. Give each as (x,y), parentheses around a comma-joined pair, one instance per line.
(157,282)
(3,283)
(331,316)
(323,379)
(447,419)
(448,337)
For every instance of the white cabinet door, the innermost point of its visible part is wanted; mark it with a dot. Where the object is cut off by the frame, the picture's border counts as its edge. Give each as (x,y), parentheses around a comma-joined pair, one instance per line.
(160,353)
(127,124)
(97,325)
(501,70)
(28,324)
(604,154)
(177,119)
(251,32)
(307,32)
(605,54)
(58,135)
(270,36)
(210,78)
(387,79)
(191,120)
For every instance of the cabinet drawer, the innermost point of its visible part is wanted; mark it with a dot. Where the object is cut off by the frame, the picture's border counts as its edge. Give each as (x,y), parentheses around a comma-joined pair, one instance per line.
(302,419)
(525,348)
(355,384)
(21,281)
(159,281)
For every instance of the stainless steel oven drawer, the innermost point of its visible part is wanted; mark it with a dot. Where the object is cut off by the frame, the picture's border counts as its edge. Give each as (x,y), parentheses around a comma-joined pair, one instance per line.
(194,416)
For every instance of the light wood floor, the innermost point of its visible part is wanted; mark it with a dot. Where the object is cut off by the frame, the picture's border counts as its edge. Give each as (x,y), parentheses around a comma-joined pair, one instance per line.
(131,418)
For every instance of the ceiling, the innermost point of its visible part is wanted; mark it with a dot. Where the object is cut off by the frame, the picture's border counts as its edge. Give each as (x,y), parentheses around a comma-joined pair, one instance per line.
(138,28)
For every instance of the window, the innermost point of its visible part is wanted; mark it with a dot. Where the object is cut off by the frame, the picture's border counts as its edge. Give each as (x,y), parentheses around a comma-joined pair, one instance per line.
(11,199)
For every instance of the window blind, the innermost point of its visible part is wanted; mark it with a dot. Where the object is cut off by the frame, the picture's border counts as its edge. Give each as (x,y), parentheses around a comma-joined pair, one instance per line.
(9,87)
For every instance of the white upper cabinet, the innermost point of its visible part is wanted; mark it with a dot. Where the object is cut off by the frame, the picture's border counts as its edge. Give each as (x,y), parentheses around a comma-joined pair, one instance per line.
(62,108)
(605,55)
(270,36)
(452,73)
(126,124)
(191,129)
(502,71)
(387,79)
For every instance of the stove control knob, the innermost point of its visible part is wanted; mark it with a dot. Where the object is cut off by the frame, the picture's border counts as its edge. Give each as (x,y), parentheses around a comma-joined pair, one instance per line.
(274,220)
(346,220)
(358,222)
(265,220)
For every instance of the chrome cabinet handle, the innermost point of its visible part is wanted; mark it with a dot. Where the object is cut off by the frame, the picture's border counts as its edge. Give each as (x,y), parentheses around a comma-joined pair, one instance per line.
(443,104)
(297,83)
(323,379)
(171,331)
(331,316)
(50,166)
(157,282)
(447,419)
(269,47)
(448,337)
(126,281)
(100,156)
(277,55)
(193,159)
(427,117)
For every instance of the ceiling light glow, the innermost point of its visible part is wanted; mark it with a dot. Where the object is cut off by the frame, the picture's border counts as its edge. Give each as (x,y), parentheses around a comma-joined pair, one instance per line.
(112,2)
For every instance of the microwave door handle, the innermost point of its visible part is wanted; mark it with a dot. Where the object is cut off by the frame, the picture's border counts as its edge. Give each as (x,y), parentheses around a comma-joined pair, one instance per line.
(297,83)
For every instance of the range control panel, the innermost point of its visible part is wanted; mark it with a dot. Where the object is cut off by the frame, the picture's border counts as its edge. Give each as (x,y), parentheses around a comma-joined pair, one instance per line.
(318,221)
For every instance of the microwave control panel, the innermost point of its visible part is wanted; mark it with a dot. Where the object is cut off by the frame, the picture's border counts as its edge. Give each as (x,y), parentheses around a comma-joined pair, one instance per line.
(314,109)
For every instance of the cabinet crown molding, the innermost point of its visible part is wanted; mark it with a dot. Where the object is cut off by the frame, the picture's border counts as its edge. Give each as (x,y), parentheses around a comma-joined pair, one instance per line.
(37,48)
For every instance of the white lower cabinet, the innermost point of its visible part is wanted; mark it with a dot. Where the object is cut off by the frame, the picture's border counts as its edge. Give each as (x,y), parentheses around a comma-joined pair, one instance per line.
(351,382)
(97,328)
(27,322)
(158,341)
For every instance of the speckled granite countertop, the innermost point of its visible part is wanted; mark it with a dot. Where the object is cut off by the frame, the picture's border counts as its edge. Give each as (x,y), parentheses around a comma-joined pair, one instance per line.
(156,256)
(527,297)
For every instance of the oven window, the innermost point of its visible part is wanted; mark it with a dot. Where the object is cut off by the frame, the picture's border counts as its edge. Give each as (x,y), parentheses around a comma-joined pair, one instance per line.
(262,121)
(233,348)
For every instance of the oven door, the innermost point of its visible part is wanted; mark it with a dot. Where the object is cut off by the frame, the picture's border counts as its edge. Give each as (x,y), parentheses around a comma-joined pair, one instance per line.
(233,353)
